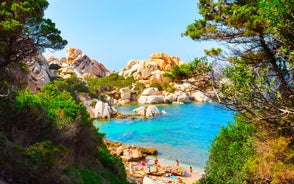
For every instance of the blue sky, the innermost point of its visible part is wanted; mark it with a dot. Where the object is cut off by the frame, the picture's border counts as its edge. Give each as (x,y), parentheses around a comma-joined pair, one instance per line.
(116,31)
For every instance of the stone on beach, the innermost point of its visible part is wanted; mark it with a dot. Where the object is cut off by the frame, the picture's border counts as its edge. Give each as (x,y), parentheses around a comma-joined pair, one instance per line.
(102,110)
(148,111)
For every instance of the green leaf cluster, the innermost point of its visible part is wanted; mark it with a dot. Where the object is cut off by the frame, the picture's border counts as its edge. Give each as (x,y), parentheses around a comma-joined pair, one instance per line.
(96,86)
(197,67)
(41,135)
(258,82)
(230,150)
(24,30)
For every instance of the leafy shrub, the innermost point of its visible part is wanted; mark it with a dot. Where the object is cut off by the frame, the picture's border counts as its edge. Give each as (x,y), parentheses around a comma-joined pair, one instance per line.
(273,162)
(45,159)
(93,103)
(108,83)
(113,163)
(90,176)
(156,85)
(229,152)
(199,66)
(41,135)
(139,87)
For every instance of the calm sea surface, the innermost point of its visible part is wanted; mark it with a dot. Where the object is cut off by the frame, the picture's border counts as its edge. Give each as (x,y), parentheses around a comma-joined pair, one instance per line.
(184,133)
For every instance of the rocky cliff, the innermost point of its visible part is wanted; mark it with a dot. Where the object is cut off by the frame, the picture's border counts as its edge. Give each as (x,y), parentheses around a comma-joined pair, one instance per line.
(76,62)
(150,71)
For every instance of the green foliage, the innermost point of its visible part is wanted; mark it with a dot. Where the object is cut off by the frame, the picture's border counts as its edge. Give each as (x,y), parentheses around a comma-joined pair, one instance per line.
(258,82)
(280,18)
(45,150)
(139,87)
(93,103)
(90,177)
(259,34)
(274,162)
(167,87)
(197,67)
(96,86)
(24,31)
(39,163)
(113,163)
(60,98)
(156,85)
(43,157)
(61,106)
(230,150)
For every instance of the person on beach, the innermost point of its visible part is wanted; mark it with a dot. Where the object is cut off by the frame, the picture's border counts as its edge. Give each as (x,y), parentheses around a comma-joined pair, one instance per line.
(156,161)
(143,163)
(171,172)
(191,170)
(177,163)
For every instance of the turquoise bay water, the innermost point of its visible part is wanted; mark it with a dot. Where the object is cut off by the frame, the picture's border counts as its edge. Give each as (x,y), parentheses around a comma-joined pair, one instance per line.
(184,133)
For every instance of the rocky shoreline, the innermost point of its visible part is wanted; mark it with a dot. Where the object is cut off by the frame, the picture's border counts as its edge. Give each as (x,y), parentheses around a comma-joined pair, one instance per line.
(147,72)
(138,167)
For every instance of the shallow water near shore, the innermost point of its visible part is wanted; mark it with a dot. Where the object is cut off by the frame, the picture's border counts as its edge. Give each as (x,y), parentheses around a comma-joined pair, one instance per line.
(184,133)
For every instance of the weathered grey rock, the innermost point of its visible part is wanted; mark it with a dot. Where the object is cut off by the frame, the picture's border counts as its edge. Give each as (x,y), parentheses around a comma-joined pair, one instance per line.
(200,97)
(142,74)
(154,99)
(123,102)
(86,65)
(171,97)
(184,87)
(120,149)
(152,110)
(150,71)
(78,63)
(102,110)
(133,154)
(183,97)
(148,111)
(150,91)
(125,93)
(40,73)
(177,170)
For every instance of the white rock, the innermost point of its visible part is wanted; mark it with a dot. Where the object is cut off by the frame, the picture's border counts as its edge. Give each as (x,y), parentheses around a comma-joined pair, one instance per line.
(123,102)
(149,111)
(125,93)
(150,91)
(170,98)
(200,97)
(102,110)
(152,110)
(183,97)
(154,99)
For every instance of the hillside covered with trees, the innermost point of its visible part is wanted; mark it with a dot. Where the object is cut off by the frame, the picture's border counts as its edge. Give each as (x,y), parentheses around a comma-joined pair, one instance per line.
(48,137)
(259,87)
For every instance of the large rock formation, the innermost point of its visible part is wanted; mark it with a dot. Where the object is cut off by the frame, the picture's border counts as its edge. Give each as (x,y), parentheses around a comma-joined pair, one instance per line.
(150,71)
(39,72)
(76,62)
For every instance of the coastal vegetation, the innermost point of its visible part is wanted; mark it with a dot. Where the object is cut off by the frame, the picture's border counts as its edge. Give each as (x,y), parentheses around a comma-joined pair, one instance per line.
(98,86)
(259,85)
(46,137)
(197,67)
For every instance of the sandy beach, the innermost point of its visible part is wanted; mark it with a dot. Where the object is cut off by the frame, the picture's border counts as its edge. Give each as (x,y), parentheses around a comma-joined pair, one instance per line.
(159,177)
(166,180)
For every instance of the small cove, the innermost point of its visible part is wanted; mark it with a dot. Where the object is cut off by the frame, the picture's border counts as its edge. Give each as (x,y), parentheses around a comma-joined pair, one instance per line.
(184,133)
